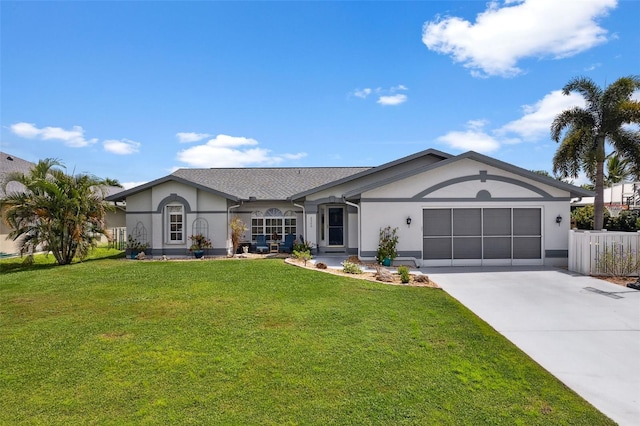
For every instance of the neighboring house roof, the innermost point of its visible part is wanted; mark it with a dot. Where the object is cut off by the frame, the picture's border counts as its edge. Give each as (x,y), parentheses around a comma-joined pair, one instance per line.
(11,164)
(246,183)
(620,193)
(573,190)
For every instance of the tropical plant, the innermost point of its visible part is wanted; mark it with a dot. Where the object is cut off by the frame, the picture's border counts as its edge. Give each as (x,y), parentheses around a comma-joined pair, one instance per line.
(387,243)
(618,169)
(237,230)
(302,246)
(199,242)
(586,130)
(55,212)
(112,182)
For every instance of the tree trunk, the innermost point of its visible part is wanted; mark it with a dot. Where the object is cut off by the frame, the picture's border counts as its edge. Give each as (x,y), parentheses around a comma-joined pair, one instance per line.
(598,202)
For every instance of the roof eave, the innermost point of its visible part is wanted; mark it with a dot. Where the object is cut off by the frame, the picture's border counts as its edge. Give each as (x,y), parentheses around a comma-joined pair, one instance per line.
(121,196)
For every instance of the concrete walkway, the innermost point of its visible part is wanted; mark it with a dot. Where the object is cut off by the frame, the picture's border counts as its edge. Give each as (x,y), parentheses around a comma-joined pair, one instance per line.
(583,330)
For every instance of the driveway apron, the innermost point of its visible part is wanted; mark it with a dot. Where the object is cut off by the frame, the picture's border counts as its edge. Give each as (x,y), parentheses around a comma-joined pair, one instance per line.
(583,330)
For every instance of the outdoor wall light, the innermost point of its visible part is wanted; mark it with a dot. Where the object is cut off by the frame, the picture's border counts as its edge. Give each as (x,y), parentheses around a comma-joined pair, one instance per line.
(409,221)
(558,219)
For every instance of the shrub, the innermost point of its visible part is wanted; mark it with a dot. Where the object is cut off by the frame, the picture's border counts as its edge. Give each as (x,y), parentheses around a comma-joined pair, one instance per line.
(199,242)
(626,221)
(404,274)
(134,244)
(237,230)
(387,242)
(302,255)
(301,246)
(351,268)
(618,262)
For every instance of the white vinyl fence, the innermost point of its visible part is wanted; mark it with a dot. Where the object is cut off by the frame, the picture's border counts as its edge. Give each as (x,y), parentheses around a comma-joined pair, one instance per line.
(603,252)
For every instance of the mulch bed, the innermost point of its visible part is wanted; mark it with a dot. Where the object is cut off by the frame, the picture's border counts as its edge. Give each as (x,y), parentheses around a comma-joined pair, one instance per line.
(621,281)
(369,276)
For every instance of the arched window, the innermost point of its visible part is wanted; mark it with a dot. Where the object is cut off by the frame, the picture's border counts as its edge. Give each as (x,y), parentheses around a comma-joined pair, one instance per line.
(273,222)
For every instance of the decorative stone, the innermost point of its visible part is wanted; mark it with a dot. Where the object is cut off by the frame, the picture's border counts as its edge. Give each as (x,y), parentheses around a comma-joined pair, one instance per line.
(384,275)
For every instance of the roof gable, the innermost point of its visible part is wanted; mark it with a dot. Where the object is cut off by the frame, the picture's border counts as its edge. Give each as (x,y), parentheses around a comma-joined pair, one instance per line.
(572,189)
(428,152)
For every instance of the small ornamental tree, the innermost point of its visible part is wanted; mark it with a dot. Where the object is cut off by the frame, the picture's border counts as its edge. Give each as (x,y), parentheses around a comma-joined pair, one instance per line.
(237,230)
(388,241)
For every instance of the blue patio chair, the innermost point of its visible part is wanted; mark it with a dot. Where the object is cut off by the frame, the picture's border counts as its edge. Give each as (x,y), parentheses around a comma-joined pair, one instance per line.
(261,244)
(287,245)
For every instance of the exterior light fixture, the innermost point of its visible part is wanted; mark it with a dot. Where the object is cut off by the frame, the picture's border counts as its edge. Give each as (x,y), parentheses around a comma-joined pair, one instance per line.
(558,220)
(409,221)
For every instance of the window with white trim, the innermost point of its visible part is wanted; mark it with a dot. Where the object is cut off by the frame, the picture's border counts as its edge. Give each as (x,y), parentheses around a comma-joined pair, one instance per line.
(175,224)
(273,222)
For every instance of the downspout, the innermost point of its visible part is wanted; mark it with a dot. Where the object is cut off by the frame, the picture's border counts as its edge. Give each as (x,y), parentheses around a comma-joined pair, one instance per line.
(349,203)
(229,228)
(304,220)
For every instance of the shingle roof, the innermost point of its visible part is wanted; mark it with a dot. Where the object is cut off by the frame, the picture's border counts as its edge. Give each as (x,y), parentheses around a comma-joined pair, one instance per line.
(12,164)
(266,183)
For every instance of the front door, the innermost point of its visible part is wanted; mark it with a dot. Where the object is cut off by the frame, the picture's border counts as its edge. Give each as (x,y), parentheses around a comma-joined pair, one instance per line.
(335,226)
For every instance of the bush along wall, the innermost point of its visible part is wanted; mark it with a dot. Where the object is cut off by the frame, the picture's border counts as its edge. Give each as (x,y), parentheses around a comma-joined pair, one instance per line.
(627,220)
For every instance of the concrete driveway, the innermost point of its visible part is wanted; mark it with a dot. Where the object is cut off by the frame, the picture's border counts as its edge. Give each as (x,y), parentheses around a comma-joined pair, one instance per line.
(583,330)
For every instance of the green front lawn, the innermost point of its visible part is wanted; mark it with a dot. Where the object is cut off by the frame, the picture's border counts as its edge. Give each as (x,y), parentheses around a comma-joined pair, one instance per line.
(256,342)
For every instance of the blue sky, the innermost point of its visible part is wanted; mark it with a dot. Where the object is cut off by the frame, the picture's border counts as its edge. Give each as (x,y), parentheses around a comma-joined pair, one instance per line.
(134,90)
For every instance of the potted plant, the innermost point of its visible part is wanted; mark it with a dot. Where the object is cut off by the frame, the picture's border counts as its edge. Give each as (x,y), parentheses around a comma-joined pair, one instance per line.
(388,241)
(135,246)
(198,244)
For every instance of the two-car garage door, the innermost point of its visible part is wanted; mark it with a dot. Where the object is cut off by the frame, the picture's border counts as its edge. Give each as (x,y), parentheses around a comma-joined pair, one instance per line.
(475,236)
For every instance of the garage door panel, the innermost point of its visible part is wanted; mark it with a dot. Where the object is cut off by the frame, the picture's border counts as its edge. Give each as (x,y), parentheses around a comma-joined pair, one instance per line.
(526,248)
(467,222)
(436,222)
(436,248)
(496,222)
(526,222)
(467,248)
(497,248)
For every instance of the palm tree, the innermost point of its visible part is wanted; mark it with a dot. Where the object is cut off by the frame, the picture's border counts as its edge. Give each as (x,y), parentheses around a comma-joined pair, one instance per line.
(55,211)
(617,169)
(587,130)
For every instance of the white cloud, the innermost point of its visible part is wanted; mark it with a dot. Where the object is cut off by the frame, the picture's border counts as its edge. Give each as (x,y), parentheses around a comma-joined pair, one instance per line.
(507,33)
(537,118)
(474,138)
(73,138)
(188,137)
(129,185)
(232,151)
(362,93)
(386,96)
(121,147)
(392,100)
